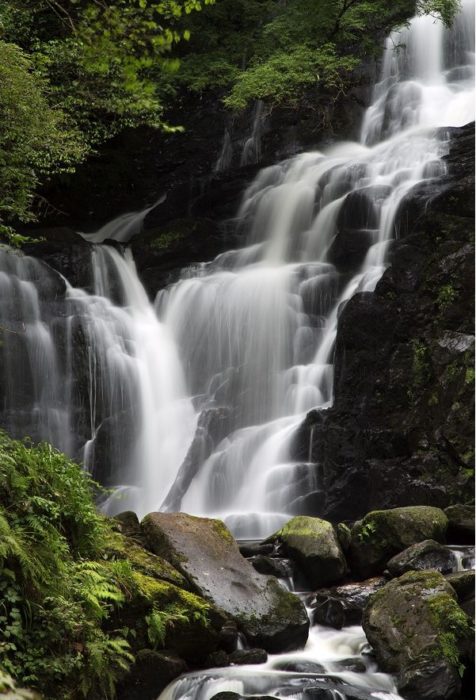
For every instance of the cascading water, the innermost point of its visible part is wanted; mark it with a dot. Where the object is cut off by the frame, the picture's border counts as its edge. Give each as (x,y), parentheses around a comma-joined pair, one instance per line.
(256,328)
(198,411)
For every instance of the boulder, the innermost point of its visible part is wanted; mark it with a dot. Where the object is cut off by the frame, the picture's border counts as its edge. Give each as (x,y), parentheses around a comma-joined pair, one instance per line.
(460,524)
(205,553)
(272,566)
(151,672)
(423,555)
(419,632)
(463,584)
(314,545)
(383,533)
(241,657)
(344,605)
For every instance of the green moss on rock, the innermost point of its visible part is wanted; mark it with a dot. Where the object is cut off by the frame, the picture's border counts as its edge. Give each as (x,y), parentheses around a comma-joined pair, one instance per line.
(383,533)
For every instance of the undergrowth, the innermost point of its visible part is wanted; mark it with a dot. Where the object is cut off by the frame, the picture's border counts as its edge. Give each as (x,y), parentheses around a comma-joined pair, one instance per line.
(56,595)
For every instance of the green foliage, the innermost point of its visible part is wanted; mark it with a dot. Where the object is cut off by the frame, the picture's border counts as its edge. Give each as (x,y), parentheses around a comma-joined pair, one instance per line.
(54,596)
(366,532)
(35,138)
(74,73)
(276,51)
(446,296)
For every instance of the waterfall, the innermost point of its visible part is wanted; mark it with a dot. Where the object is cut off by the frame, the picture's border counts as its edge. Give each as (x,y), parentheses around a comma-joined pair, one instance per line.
(193,402)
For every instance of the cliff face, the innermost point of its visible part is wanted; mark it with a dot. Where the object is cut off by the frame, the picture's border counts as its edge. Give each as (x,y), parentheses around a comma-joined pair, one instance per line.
(400,431)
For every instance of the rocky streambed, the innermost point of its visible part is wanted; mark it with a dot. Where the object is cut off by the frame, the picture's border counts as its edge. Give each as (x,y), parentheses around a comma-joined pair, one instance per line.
(381,608)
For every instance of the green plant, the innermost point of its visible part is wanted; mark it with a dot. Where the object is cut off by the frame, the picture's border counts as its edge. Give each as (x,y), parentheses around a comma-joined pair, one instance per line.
(366,531)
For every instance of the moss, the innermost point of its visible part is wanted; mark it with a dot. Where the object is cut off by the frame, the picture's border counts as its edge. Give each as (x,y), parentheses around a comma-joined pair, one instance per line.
(119,547)
(469,376)
(304,526)
(166,239)
(454,627)
(222,531)
(446,296)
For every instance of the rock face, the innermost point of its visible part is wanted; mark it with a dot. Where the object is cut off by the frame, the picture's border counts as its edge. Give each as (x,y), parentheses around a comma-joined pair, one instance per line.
(204,551)
(344,605)
(400,431)
(383,533)
(424,555)
(419,632)
(460,524)
(314,545)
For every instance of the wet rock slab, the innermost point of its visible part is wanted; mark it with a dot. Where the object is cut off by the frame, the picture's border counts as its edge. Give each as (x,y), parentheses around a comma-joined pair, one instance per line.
(344,605)
(206,554)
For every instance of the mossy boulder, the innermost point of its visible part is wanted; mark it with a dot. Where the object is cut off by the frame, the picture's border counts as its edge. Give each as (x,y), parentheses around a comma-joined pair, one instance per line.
(314,545)
(383,533)
(205,553)
(120,548)
(460,524)
(423,555)
(165,616)
(419,632)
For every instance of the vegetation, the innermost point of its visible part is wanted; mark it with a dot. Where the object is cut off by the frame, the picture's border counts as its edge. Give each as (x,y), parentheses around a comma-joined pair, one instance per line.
(74,73)
(73,608)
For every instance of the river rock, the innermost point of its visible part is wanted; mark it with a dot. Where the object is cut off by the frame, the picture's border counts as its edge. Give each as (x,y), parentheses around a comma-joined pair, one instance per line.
(460,524)
(418,631)
(240,657)
(343,605)
(204,551)
(151,672)
(314,545)
(272,566)
(383,533)
(463,584)
(423,555)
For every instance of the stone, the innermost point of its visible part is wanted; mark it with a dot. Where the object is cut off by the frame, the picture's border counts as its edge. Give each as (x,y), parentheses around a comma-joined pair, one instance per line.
(300,666)
(423,555)
(344,536)
(272,566)
(151,672)
(314,545)
(240,657)
(128,523)
(217,659)
(343,605)
(383,533)
(205,553)
(419,632)
(460,524)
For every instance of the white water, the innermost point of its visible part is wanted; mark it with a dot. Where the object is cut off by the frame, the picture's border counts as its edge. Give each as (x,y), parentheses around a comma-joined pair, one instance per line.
(256,328)
(251,333)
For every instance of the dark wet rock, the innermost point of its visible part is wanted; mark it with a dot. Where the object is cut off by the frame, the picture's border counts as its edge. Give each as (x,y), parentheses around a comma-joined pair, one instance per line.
(217,659)
(204,551)
(314,545)
(343,605)
(401,428)
(344,536)
(424,555)
(253,549)
(383,533)
(463,583)
(240,657)
(151,672)
(354,665)
(129,524)
(300,666)
(272,566)
(418,631)
(213,425)
(229,636)
(460,524)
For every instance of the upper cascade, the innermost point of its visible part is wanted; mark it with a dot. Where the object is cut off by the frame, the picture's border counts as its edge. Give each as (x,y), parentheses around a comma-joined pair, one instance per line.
(193,403)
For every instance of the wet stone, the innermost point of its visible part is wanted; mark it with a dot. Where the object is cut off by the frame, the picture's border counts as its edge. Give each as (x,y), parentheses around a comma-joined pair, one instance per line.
(240,657)
(271,566)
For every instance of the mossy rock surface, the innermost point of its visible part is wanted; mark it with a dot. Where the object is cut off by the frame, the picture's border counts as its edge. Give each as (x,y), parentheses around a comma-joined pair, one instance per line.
(205,553)
(383,533)
(315,546)
(419,632)
(119,547)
